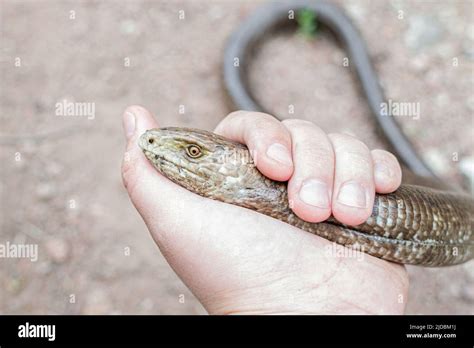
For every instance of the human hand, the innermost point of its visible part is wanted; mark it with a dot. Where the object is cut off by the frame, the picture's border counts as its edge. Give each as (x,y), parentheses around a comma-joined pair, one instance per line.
(251,263)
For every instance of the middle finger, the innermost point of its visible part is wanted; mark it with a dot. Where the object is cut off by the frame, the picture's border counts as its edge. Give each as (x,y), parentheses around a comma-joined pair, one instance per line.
(310,187)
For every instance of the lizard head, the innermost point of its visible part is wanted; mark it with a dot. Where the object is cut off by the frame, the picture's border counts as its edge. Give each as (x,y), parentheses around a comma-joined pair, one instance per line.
(200,161)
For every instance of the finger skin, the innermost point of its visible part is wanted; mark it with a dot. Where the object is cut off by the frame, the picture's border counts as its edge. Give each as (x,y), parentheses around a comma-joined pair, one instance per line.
(240,264)
(354,189)
(268,141)
(387,171)
(310,187)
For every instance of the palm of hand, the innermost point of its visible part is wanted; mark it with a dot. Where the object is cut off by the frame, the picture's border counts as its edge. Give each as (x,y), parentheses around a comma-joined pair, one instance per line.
(238,261)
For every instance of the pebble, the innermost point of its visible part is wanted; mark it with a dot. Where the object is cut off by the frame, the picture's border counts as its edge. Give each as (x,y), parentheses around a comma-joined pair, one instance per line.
(44,268)
(216,12)
(437,161)
(45,191)
(14,285)
(53,169)
(468,49)
(58,250)
(470,103)
(356,10)
(442,100)
(28,147)
(147,305)
(467,292)
(469,271)
(446,50)
(470,32)
(128,27)
(423,31)
(466,167)
(97,302)
(420,62)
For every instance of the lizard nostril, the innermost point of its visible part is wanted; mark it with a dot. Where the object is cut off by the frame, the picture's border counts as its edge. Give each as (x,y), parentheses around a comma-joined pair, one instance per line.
(151,140)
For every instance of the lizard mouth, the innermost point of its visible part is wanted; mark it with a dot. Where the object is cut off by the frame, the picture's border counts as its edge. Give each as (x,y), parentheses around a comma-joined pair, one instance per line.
(157,160)
(167,167)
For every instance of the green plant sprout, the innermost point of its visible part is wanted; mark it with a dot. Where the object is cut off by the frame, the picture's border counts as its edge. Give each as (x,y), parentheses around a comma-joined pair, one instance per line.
(307,23)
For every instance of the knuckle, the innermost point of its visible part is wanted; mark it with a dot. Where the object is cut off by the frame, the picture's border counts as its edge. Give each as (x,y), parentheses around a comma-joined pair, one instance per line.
(315,154)
(342,137)
(358,162)
(348,143)
(260,123)
(298,123)
(244,124)
(263,128)
(249,115)
(263,122)
(353,163)
(362,146)
(311,146)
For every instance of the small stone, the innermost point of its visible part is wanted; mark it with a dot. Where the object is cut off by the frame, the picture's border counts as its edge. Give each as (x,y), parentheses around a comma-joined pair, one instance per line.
(53,169)
(44,268)
(420,62)
(128,27)
(470,32)
(57,249)
(446,50)
(29,147)
(356,10)
(466,167)
(45,191)
(147,305)
(469,271)
(468,49)
(97,209)
(470,103)
(433,77)
(467,292)
(442,100)
(423,31)
(215,12)
(97,302)
(14,285)
(437,161)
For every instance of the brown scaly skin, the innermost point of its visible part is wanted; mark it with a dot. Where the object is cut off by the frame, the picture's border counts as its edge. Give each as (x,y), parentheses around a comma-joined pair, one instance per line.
(414,225)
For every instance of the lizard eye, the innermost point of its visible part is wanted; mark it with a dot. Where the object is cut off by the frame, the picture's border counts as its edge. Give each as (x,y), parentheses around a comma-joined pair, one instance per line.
(194,151)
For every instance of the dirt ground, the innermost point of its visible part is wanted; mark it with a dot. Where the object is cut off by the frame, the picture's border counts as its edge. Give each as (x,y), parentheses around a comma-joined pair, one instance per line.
(60,175)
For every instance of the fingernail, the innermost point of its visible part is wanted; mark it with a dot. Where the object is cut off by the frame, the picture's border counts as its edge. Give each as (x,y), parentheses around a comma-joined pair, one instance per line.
(280,153)
(382,172)
(353,195)
(129,123)
(315,193)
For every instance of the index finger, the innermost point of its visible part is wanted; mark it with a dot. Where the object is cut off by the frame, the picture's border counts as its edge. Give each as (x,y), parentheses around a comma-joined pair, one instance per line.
(268,140)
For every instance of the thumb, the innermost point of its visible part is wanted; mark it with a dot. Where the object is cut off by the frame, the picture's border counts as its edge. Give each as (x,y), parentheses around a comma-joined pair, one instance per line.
(146,187)
(136,120)
(172,214)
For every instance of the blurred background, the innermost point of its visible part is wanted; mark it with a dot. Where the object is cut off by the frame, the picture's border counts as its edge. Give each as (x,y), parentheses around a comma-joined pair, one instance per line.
(61,187)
